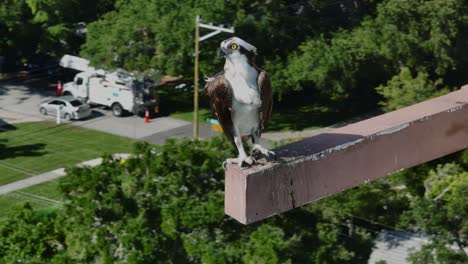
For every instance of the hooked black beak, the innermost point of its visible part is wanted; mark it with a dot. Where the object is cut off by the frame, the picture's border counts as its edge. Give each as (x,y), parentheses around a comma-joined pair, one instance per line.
(221,53)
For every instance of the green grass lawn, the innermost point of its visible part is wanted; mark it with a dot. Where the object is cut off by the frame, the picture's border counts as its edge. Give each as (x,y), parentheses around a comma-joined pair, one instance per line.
(32,148)
(44,195)
(303,118)
(289,119)
(294,113)
(179,104)
(203,115)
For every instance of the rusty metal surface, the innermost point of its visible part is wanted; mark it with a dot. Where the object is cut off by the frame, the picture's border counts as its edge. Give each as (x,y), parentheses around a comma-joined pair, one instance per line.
(329,163)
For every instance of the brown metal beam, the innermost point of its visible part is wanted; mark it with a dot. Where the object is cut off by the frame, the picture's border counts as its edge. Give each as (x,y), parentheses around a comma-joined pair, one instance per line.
(332,162)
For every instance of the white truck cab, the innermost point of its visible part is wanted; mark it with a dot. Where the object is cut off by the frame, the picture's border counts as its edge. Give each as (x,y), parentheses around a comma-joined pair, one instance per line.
(119,90)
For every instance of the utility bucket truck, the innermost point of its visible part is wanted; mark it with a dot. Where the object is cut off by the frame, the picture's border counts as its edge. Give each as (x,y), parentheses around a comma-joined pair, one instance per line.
(120,90)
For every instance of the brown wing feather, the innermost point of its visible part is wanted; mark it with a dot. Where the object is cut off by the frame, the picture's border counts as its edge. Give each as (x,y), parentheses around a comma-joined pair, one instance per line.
(266,95)
(219,92)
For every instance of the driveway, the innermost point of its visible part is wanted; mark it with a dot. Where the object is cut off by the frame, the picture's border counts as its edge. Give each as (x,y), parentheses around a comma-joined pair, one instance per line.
(9,117)
(129,126)
(22,99)
(20,103)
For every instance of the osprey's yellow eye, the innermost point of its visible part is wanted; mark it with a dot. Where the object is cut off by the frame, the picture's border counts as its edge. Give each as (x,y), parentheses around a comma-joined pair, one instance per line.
(233,46)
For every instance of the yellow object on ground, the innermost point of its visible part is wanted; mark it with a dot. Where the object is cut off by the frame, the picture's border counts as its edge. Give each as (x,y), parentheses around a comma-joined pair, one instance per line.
(217,128)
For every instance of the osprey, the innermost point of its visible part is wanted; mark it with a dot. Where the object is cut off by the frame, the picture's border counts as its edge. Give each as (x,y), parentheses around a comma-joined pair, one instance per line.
(241,98)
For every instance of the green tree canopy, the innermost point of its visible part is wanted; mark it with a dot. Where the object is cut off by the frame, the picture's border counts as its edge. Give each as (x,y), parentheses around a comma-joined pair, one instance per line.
(443,213)
(167,206)
(160,34)
(32,27)
(422,36)
(404,89)
(343,51)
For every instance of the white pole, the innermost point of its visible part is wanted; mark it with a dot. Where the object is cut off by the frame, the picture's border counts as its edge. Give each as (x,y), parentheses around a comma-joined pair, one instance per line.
(58,113)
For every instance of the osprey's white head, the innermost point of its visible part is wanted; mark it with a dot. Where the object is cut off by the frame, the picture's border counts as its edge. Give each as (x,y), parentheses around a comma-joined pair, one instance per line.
(234,48)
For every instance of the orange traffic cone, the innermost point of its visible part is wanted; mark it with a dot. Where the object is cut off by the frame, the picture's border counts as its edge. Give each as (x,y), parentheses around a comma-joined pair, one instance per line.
(147,116)
(59,88)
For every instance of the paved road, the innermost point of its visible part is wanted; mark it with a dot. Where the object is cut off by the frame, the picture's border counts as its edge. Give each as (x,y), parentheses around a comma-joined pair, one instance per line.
(9,117)
(20,103)
(130,126)
(23,99)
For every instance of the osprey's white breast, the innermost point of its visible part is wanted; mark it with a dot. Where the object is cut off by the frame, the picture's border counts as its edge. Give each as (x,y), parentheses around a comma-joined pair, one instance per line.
(243,80)
(246,100)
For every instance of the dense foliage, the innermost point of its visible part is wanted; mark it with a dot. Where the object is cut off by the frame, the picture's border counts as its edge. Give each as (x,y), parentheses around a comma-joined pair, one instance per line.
(341,50)
(166,206)
(404,89)
(442,212)
(32,28)
(160,34)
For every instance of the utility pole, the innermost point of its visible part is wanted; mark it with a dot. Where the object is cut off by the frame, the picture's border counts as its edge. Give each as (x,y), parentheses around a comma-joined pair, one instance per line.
(216,30)
(195,77)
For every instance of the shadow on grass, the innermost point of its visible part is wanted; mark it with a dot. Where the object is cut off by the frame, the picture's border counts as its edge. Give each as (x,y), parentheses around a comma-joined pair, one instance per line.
(4,126)
(33,150)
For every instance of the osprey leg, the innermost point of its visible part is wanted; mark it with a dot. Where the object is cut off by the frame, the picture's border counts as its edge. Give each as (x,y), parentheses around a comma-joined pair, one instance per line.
(258,147)
(242,154)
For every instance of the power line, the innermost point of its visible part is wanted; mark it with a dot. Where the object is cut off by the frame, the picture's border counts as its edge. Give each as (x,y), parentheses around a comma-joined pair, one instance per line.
(35,196)
(16,168)
(377,223)
(41,200)
(66,126)
(55,147)
(52,144)
(373,222)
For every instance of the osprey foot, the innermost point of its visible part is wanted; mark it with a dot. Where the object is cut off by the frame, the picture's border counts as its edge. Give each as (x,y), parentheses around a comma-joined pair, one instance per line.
(272,155)
(258,151)
(239,161)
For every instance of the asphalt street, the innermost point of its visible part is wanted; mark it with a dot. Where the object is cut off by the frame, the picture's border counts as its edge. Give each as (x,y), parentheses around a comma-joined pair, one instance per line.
(20,103)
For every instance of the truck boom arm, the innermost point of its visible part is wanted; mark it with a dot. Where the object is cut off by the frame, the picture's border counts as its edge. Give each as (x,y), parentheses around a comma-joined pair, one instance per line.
(76,63)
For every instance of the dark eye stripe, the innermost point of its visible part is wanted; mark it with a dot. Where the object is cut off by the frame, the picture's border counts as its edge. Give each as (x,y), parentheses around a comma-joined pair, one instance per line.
(243,50)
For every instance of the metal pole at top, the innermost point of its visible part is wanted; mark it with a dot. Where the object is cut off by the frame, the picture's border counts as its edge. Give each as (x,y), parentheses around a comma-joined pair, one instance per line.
(195,87)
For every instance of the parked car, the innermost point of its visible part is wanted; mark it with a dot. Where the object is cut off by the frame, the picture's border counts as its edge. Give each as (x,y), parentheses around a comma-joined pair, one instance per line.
(71,108)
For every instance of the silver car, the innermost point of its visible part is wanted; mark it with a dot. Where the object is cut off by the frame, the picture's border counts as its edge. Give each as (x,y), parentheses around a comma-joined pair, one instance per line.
(70,108)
